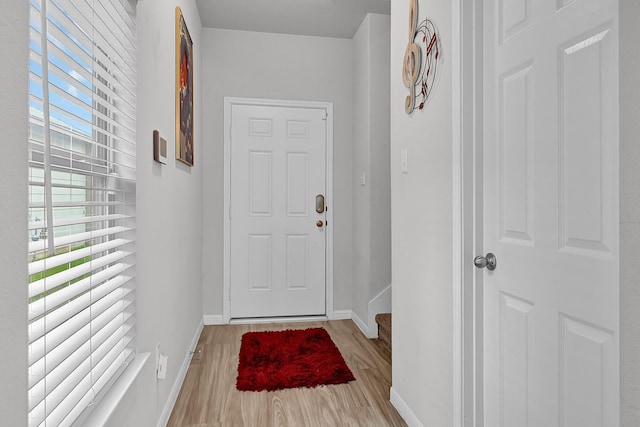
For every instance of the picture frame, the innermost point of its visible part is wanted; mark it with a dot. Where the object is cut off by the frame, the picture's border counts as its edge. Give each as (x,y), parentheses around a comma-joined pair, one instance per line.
(184,91)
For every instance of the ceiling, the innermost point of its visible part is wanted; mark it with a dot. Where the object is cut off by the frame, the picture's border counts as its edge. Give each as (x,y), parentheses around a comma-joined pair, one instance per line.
(323,18)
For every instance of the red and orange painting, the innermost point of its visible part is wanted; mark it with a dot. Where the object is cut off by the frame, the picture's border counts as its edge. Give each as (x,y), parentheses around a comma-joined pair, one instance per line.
(184,91)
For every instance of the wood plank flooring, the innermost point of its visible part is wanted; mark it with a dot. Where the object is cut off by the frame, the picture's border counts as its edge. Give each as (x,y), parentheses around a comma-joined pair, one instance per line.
(209,397)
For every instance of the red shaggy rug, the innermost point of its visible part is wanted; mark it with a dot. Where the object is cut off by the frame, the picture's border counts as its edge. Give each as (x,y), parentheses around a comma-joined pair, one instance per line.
(288,359)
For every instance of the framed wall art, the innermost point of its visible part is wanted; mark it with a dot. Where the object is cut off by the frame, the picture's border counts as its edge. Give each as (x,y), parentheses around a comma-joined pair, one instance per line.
(184,91)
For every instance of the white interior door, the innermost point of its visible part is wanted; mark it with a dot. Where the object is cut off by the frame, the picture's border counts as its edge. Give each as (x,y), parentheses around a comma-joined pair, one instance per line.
(278,231)
(551,310)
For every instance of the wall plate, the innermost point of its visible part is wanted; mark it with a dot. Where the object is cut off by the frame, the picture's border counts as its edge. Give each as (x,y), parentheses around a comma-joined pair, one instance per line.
(159,148)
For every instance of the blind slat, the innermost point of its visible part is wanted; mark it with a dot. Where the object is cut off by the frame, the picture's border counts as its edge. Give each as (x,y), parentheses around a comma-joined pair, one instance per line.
(68,366)
(43,245)
(71,333)
(49,322)
(62,296)
(47,284)
(55,357)
(76,162)
(69,397)
(99,386)
(70,257)
(60,222)
(38,370)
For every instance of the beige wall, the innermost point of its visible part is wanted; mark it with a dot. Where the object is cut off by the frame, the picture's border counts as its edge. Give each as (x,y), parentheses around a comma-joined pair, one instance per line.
(14,34)
(629,213)
(422,232)
(169,215)
(275,66)
(371,201)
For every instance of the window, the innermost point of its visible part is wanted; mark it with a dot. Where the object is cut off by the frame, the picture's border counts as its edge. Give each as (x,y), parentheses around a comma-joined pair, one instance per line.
(81,203)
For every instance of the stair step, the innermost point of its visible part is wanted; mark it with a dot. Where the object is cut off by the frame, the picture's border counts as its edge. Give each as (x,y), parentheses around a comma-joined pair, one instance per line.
(384,328)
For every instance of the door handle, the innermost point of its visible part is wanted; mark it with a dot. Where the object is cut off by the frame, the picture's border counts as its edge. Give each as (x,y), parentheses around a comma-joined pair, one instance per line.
(489,261)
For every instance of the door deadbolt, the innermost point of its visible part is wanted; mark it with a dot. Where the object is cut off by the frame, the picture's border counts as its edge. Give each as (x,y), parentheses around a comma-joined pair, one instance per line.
(489,261)
(319,224)
(320,203)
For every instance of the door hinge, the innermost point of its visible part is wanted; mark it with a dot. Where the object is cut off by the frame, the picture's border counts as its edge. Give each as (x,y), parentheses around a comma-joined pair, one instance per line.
(324,115)
(229,211)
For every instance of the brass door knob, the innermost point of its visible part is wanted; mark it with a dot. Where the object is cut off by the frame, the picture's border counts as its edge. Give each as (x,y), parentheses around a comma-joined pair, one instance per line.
(319,224)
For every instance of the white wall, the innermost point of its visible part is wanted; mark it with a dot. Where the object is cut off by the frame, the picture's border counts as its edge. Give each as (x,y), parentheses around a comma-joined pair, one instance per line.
(422,232)
(629,213)
(371,201)
(169,210)
(261,65)
(14,34)
(380,137)
(361,165)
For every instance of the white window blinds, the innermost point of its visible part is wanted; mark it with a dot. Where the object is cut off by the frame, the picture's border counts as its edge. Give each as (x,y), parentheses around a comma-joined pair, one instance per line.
(81,203)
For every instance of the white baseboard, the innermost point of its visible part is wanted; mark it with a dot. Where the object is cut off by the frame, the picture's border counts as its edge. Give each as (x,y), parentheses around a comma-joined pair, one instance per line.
(381,303)
(360,324)
(342,314)
(264,320)
(213,319)
(403,409)
(351,315)
(177,385)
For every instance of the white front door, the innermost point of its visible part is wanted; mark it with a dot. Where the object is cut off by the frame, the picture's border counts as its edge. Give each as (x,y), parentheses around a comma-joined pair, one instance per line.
(278,225)
(551,313)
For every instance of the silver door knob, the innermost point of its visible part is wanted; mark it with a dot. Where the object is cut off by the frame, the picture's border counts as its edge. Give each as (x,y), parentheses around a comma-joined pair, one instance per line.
(488,261)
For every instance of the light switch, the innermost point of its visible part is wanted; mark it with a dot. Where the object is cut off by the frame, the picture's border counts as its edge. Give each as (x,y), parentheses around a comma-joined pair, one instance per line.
(157,356)
(404,161)
(162,367)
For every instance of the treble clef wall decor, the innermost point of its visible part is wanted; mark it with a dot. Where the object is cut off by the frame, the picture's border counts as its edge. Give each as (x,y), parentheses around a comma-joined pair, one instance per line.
(419,71)
(412,59)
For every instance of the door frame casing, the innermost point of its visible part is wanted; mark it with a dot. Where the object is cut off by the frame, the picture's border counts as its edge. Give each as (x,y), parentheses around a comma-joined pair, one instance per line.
(229,102)
(467,136)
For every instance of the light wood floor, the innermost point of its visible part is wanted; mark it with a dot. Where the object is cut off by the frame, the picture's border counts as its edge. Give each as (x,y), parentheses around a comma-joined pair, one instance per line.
(209,396)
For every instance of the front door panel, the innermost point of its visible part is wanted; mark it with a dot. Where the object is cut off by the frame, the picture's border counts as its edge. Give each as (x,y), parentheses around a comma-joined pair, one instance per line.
(277,244)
